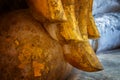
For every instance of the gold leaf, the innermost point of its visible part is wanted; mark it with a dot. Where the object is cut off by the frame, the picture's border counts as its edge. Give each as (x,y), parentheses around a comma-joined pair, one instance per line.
(38,68)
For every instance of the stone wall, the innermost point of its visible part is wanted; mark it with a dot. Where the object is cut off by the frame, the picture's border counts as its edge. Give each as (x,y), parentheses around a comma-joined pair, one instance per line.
(107,18)
(109,27)
(106,6)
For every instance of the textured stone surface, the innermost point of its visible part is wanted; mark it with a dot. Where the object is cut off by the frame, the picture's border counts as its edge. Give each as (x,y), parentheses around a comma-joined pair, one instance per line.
(106,6)
(107,16)
(109,27)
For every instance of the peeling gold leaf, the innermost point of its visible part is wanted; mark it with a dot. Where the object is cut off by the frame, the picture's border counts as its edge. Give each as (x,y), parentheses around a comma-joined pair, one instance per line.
(70,29)
(38,67)
(51,10)
(17,42)
(81,54)
(93,32)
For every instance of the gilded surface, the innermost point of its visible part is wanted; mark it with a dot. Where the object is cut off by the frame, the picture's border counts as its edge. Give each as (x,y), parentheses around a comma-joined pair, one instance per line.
(27,52)
(81,54)
(38,51)
(70,29)
(51,10)
(77,50)
(93,32)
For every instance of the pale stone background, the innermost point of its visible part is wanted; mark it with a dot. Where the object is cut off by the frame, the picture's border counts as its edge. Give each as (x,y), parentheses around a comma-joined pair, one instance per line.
(107,18)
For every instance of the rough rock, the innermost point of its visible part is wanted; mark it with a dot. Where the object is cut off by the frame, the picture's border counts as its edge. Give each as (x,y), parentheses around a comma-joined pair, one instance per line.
(106,6)
(109,27)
